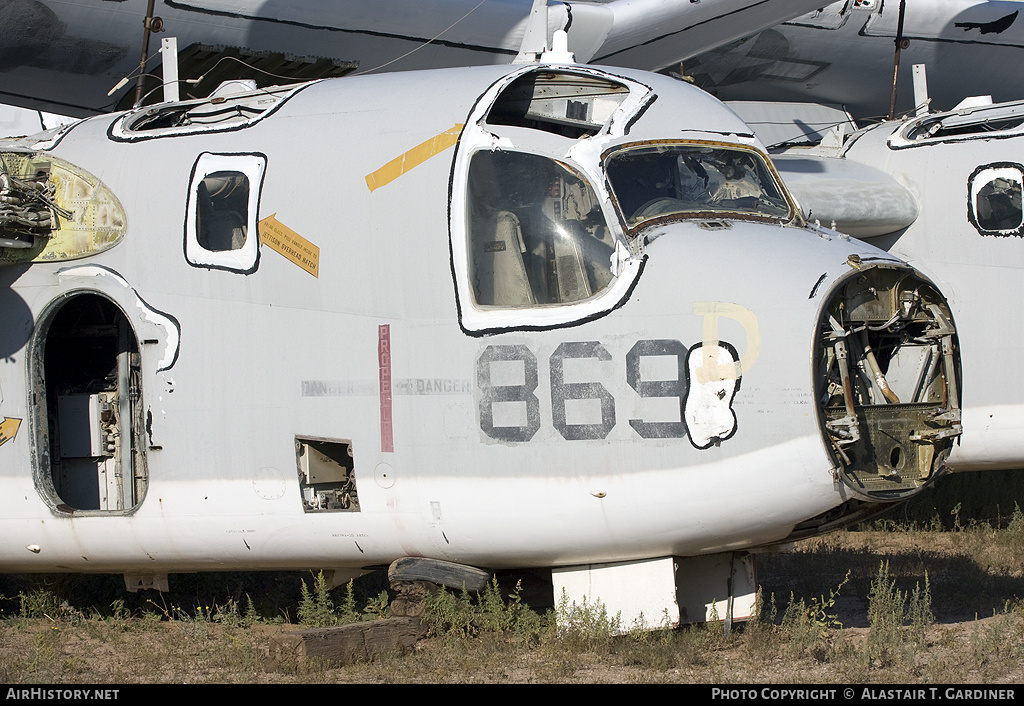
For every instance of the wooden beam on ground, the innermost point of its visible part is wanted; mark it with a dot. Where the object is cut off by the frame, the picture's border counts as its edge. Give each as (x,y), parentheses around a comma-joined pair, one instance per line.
(347,644)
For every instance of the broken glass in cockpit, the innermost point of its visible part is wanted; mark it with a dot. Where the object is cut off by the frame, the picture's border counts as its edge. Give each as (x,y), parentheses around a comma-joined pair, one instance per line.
(694,181)
(537,235)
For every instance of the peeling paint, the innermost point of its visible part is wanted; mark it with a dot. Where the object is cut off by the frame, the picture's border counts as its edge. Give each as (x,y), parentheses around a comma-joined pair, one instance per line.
(714,367)
(167,325)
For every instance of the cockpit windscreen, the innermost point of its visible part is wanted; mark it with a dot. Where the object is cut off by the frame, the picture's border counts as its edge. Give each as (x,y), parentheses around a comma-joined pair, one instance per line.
(694,181)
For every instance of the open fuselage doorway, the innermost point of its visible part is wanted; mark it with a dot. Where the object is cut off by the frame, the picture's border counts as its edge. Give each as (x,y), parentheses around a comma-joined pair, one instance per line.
(89,415)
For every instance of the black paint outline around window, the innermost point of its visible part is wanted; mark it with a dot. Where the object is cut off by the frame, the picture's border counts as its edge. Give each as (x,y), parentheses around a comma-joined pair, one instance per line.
(1009,203)
(215,195)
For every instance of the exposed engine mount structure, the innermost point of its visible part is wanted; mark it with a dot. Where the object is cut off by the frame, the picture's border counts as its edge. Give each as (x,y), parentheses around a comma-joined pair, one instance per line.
(889,394)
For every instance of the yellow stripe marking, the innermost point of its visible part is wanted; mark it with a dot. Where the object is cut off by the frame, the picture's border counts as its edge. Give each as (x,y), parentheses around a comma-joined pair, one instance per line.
(413,158)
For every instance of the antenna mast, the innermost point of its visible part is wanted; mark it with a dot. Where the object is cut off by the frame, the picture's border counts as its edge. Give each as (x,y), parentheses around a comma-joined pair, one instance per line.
(151,24)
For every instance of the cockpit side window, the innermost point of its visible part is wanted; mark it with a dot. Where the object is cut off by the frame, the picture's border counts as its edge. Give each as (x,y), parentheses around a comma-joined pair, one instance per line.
(994,206)
(220,223)
(694,181)
(537,235)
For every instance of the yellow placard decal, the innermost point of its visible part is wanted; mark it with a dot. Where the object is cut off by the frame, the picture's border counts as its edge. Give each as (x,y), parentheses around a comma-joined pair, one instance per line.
(711,369)
(8,429)
(290,244)
(413,158)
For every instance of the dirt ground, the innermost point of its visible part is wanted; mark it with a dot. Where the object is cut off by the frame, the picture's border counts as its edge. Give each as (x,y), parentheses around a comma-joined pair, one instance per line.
(974,589)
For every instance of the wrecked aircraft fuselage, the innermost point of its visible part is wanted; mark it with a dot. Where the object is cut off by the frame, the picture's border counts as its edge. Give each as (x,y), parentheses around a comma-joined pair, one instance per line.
(534,316)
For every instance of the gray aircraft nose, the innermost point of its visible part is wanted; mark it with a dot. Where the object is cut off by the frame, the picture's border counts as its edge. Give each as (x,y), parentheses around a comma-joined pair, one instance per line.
(883,354)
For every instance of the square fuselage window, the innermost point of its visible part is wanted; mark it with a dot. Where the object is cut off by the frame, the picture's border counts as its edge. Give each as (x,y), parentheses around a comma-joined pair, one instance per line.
(223,205)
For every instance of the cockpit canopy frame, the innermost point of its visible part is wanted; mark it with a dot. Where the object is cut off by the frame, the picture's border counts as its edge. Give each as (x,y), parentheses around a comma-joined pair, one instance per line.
(535,241)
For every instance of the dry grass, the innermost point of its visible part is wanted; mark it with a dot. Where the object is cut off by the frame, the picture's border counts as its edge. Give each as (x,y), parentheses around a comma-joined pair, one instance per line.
(821,624)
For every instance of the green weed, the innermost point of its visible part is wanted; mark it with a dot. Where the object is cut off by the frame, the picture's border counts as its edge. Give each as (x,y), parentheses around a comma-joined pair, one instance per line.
(316,608)
(919,611)
(451,615)
(586,625)
(44,603)
(889,609)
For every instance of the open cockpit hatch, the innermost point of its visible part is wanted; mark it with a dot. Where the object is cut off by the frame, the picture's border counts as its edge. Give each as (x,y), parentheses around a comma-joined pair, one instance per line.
(87,411)
(569,104)
(220,112)
(971,123)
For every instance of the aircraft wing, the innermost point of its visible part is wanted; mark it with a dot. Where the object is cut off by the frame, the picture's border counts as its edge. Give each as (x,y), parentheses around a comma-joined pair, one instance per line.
(844,54)
(655,34)
(65,56)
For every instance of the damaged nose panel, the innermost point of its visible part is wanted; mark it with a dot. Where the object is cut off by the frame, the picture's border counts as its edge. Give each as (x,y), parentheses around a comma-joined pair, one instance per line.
(52,210)
(888,381)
